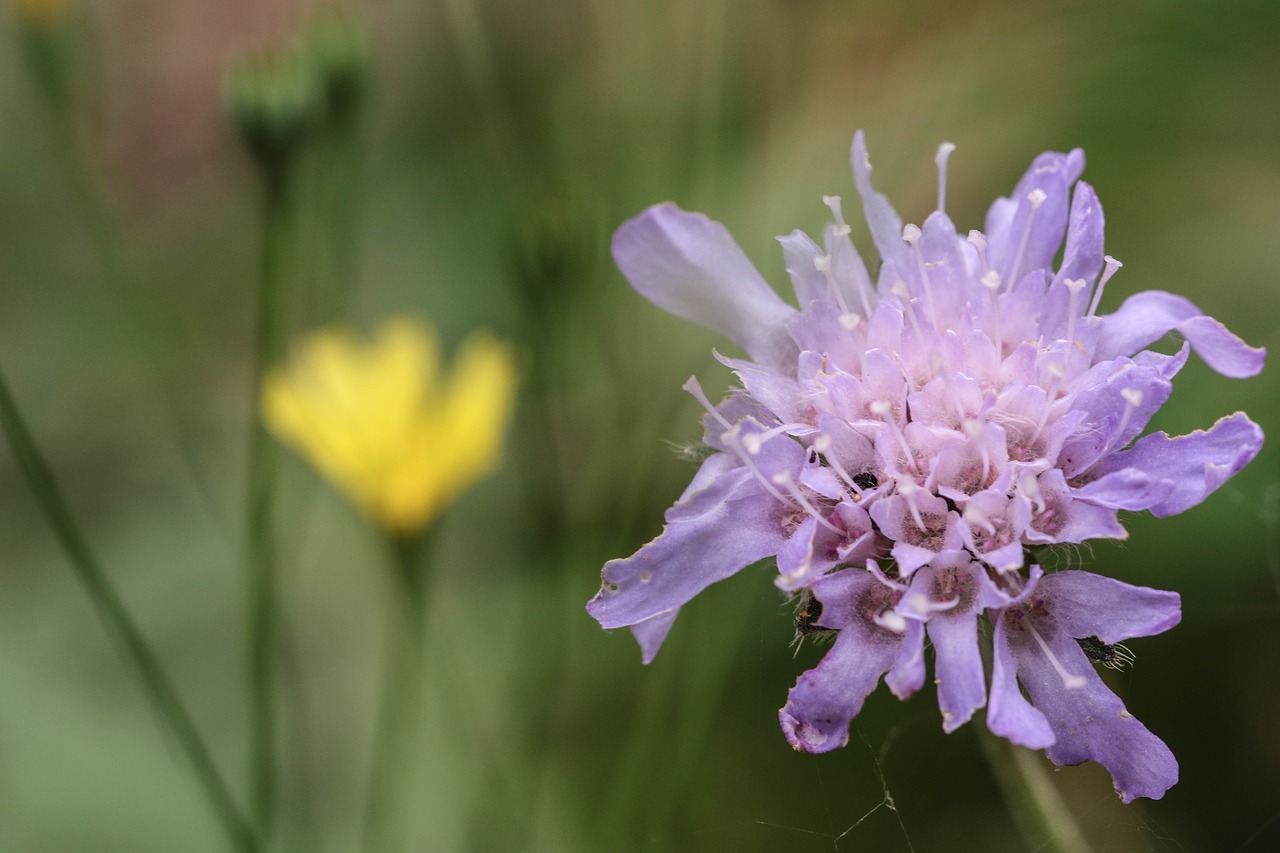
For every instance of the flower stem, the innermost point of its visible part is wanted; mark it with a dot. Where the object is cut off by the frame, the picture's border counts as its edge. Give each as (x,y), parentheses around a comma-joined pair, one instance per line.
(259,504)
(1034,803)
(401,697)
(113,612)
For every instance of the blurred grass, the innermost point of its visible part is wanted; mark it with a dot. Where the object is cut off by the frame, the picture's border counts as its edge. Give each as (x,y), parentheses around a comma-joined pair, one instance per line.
(540,732)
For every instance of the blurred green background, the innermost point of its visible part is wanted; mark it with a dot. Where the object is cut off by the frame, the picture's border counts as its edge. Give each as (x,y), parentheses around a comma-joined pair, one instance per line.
(502,143)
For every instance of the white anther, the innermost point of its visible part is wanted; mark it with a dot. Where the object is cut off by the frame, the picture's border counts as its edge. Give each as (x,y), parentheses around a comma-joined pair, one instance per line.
(944,153)
(1057,370)
(822,263)
(822,443)
(974,516)
(880,408)
(1075,285)
(751,442)
(891,620)
(694,388)
(1112,266)
(991,280)
(911,233)
(1132,396)
(1037,197)
(979,242)
(850,321)
(833,202)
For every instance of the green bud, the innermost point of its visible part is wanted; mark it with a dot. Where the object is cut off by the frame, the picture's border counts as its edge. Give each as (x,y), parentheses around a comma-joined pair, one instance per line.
(275,101)
(341,48)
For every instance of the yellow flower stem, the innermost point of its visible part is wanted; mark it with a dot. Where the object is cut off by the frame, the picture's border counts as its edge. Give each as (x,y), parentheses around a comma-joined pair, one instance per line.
(1034,803)
(115,615)
(393,753)
(264,455)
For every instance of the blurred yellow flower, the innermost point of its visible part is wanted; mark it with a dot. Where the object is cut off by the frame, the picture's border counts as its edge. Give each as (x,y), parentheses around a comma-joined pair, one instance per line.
(42,13)
(383,421)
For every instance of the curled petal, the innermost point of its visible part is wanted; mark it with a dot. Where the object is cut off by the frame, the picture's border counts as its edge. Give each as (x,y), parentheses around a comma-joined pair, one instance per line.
(1148,316)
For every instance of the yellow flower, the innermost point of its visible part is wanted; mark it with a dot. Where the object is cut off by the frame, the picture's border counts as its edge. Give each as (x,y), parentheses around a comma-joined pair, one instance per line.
(381,420)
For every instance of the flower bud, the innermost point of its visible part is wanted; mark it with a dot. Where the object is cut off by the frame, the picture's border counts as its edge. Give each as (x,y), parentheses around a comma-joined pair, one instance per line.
(274,100)
(340,47)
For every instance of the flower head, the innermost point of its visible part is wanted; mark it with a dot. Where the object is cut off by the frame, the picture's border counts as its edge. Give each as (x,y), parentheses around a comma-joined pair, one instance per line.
(904,444)
(384,423)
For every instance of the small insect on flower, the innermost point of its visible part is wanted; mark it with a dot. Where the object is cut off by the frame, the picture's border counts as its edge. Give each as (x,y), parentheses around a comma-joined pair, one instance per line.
(808,612)
(1111,655)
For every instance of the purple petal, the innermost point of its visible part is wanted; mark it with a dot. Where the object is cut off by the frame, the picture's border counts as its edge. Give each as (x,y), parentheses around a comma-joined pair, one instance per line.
(693,552)
(1009,714)
(690,266)
(885,224)
(1148,316)
(907,674)
(826,698)
(1193,465)
(1090,723)
(1089,605)
(799,253)
(651,632)
(958,667)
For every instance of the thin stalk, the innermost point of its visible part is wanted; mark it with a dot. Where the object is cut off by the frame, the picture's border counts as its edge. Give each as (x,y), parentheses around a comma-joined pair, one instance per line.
(115,615)
(401,696)
(1034,803)
(260,505)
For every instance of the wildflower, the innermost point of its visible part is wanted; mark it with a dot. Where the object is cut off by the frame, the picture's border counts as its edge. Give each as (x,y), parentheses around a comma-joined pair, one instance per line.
(901,445)
(380,420)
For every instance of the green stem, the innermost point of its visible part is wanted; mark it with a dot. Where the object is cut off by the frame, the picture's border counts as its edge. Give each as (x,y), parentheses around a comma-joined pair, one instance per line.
(111,609)
(260,502)
(401,695)
(1034,803)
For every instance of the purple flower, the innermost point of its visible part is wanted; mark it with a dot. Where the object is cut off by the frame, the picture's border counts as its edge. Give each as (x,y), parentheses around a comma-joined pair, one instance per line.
(945,421)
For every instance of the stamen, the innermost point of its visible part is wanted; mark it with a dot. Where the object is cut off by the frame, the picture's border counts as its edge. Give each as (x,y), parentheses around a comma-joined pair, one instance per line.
(733,438)
(883,409)
(922,605)
(944,154)
(891,620)
(1069,681)
(1112,266)
(694,388)
(900,290)
(907,488)
(842,231)
(1132,400)
(823,264)
(1075,286)
(1037,198)
(979,242)
(785,481)
(833,202)
(911,234)
(1057,370)
(822,444)
(1029,485)
(991,281)
(975,516)
(973,430)
(753,442)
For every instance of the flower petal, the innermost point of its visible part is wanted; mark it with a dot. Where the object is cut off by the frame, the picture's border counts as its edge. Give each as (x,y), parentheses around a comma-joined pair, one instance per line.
(1089,605)
(693,552)
(1090,723)
(885,224)
(1148,316)
(690,266)
(1193,465)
